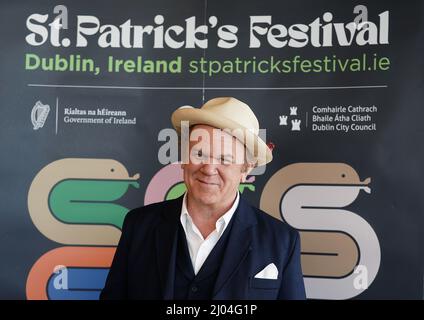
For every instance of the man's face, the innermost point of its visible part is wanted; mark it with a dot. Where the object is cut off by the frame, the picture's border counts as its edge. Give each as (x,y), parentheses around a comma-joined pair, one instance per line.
(216,166)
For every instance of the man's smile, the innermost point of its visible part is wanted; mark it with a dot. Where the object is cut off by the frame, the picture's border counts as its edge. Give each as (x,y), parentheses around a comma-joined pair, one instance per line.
(207,183)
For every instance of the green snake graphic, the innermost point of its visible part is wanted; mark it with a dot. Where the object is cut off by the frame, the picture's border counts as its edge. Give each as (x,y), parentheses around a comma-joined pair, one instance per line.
(80,201)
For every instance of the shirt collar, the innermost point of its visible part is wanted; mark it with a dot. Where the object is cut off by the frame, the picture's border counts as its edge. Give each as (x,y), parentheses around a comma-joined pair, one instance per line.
(221,223)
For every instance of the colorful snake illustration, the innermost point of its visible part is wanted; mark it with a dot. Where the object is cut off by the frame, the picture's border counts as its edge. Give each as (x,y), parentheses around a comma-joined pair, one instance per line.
(70,199)
(309,196)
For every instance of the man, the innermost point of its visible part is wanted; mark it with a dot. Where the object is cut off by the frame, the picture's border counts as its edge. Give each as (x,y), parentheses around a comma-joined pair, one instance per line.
(210,243)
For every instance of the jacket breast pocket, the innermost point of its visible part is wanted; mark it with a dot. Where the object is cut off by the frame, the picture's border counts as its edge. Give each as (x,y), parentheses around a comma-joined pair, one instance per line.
(258,283)
(263,289)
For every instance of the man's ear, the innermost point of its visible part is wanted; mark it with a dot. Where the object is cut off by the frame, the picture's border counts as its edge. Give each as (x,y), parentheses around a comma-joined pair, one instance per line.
(247,168)
(243,177)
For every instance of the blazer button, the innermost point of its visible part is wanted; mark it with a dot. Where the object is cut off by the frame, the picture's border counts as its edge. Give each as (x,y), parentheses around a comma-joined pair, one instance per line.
(194,289)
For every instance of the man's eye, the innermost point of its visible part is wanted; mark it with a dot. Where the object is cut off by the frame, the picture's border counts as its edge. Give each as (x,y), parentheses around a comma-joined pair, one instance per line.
(197,153)
(225,160)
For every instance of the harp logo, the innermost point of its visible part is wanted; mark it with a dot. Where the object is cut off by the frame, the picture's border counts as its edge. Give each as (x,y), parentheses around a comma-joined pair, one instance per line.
(39,114)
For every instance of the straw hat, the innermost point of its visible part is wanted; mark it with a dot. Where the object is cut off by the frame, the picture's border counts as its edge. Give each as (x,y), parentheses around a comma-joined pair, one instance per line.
(227,113)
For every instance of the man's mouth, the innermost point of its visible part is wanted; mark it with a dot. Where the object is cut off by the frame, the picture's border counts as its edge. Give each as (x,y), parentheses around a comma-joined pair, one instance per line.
(208,183)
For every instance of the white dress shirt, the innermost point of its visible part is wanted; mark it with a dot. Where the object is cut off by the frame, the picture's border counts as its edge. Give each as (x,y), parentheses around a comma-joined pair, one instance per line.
(198,247)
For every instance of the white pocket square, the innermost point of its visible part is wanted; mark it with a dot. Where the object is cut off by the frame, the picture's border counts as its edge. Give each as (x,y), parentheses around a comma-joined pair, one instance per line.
(269,272)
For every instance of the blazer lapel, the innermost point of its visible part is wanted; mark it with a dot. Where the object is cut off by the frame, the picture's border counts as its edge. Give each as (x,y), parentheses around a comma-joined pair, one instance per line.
(166,246)
(238,246)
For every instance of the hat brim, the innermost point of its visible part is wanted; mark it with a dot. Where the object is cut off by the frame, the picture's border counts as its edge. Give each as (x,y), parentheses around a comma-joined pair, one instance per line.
(258,148)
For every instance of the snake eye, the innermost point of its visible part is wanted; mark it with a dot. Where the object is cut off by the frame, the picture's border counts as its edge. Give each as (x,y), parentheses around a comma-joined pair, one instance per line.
(343,175)
(112,170)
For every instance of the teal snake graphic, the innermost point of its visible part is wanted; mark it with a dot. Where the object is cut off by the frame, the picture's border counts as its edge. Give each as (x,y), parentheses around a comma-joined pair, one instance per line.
(79,201)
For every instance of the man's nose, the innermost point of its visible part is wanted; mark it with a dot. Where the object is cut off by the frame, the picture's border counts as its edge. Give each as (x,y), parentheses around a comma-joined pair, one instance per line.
(209,169)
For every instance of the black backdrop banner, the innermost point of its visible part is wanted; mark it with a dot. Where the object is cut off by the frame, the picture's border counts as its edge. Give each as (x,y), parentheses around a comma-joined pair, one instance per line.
(87,90)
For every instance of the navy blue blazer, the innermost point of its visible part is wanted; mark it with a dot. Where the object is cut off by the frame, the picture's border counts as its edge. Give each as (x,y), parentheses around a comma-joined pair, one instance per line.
(144,262)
